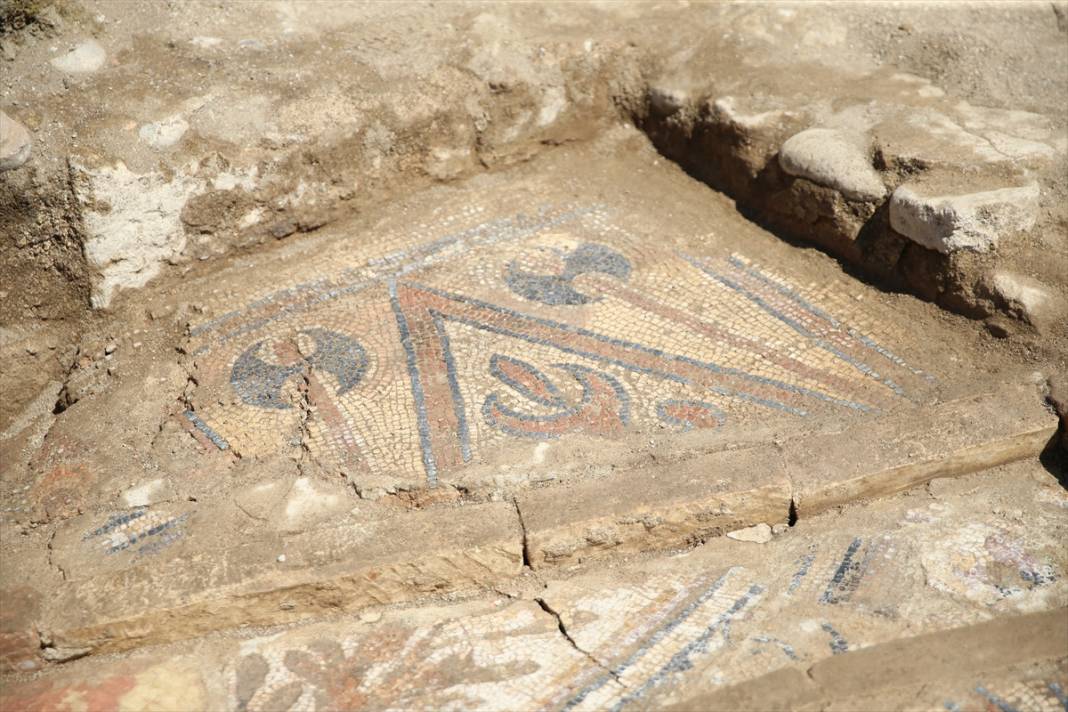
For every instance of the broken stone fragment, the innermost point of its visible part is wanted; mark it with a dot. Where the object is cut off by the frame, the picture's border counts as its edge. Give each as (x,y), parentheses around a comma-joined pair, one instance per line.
(1027,299)
(87,57)
(974,221)
(665,101)
(834,159)
(758,534)
(15,144)
(62,655)
(164,133)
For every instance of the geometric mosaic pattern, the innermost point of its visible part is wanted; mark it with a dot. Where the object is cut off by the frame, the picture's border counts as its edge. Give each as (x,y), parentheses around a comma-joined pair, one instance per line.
(139,529)
(678,622)
(631,646)
(448,343)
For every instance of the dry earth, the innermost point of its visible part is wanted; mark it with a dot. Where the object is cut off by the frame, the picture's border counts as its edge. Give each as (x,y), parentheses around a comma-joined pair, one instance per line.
(521,356)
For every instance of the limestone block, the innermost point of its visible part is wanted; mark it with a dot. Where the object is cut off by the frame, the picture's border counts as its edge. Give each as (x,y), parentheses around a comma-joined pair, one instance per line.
(655,509)
(835,159)
(975,221)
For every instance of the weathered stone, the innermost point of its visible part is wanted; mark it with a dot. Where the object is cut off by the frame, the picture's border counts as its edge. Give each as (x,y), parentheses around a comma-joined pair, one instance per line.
(310,502)
(62,655)
(666,100)
(698,498)
(15,143)
(757,534)
(976,221)
(1028,299)
(165,132)
(945,440)
(1058,398)
(86,58)
(132,224)
(726,110)
(834,159)
(243,584)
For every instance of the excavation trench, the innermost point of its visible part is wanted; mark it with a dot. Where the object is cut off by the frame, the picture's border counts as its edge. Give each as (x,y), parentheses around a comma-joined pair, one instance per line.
(574,359)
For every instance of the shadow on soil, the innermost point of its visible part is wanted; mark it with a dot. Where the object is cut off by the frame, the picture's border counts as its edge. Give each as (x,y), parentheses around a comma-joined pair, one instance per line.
(1054,457)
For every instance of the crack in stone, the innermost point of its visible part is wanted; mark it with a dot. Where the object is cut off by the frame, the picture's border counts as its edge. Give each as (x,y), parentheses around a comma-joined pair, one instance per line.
(63,400)
(523,529)
(567,636)
(305,408)
(51,549)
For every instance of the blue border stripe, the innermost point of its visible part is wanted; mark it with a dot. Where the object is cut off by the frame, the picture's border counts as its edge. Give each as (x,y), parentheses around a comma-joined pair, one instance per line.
(458,406)
(218,440)
(708,366)
(795,297)
(417,386)
(795,325)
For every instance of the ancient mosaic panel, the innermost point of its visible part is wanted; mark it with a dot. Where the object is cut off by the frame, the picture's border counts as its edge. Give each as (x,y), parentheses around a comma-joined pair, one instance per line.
(638,645)
(454,339)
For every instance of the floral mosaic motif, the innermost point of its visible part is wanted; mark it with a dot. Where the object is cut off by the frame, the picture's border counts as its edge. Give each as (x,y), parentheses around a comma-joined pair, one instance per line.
(638,641)
(986,564)
(510,659)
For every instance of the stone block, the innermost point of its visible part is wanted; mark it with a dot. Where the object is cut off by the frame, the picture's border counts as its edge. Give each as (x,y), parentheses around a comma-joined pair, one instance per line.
(907,448)
(949,222)
(655,508)
(412,556)
(834,159)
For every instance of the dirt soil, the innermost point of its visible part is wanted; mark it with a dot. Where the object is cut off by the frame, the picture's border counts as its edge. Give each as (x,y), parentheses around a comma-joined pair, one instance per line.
(619,354)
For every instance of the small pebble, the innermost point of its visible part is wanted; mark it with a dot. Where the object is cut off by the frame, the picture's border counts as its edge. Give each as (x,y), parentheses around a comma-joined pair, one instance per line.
(15,144)
(87,57)
(759,534)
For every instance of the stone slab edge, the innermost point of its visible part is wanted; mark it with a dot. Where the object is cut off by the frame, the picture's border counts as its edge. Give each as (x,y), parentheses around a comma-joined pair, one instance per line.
(703,497)
(674,506)
(884,456)
(634,511)
(914,662)
(239,587)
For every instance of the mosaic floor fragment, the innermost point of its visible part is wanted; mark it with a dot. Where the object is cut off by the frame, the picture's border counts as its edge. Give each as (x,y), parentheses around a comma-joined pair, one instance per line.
(418,356)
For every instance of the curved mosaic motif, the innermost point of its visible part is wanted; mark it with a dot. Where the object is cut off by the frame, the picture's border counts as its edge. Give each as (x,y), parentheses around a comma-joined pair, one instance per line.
(603,407)
(259,382)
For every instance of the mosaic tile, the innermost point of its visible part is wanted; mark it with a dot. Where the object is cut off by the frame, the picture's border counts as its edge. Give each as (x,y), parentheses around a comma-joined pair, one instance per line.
(142,531)
(411,359)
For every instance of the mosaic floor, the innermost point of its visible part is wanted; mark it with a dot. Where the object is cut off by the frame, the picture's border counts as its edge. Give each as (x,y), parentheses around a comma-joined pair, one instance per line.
(442,343)
(830,595)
